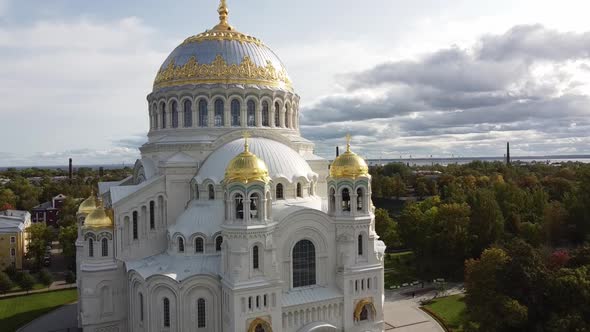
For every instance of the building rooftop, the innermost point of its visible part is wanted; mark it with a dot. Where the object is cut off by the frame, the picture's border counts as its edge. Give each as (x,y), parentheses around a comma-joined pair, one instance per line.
(13,221)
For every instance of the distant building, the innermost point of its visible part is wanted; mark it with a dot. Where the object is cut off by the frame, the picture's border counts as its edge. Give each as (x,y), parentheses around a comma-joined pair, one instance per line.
(48,212)
(13,238)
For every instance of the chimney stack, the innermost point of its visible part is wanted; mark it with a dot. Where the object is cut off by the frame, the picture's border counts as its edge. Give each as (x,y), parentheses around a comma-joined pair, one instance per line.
(507,153)
(71,169)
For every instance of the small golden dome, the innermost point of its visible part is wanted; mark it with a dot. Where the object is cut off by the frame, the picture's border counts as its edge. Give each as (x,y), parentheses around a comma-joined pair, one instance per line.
(246,167)
(99,218)
(88,205)
(348,165)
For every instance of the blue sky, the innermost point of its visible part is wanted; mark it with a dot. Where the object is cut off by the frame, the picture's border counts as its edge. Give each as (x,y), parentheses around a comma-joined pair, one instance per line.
(420,77)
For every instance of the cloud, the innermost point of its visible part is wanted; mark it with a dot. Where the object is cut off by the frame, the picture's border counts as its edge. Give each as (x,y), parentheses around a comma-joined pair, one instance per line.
(527,85)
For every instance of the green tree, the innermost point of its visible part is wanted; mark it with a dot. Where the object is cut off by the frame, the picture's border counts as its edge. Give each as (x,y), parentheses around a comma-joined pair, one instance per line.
(386,228)
(486,221)
(7,198)
(45,277)
(39,235)
(554,222)
(67,238)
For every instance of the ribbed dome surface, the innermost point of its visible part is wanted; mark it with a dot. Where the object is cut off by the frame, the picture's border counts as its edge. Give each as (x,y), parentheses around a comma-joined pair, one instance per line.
(281,160)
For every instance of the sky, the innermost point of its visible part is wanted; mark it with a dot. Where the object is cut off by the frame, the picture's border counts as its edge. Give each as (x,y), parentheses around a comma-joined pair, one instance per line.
(404,77)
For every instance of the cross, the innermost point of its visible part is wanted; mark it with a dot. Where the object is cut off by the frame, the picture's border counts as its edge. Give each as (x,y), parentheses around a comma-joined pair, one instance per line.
(246,135)
(348,138)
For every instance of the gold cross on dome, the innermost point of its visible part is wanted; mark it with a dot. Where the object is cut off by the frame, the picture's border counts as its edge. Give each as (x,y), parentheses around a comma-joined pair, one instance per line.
(348,139)
(246,135)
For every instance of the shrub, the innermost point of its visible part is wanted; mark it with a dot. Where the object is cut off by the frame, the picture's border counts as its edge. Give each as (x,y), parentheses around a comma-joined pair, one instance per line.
(45,277)
(5,282)
(10,271)
(70,277)
(26,281)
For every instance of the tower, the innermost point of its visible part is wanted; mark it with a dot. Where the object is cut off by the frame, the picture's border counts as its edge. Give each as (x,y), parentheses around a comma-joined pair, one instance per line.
(100,278)
(507,153)
(250,276)
(359,260)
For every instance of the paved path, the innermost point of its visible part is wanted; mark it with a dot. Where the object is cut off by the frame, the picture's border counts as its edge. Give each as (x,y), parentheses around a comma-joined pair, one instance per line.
(62,319)
(54,286)
(402,312)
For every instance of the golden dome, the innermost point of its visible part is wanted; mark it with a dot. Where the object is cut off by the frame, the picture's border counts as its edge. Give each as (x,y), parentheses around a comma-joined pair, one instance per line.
(246,167)
(348,165)
(99,218)
(88,205)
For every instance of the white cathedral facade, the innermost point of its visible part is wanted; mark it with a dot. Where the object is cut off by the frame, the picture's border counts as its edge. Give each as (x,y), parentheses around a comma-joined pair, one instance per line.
(230,222)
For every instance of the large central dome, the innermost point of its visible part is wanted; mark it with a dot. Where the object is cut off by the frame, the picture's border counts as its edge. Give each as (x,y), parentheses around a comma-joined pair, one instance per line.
(222,55)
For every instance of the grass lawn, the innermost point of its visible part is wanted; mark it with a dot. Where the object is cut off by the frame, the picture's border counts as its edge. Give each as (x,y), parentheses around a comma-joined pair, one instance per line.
(451,310)
(17,311)
(35,287)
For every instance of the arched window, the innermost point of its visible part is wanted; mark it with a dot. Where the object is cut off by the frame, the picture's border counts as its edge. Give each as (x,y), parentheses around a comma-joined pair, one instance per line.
(254,204)
(218,242)
(135,233)
(345,199)
(259,328)
(265,115)
(152,214)
(105,247)
(199,248)
(90,248)
(251,113)
(255,258)
(174,114)
(360,245)
(287,116)
(163,112)
(196,191)
(279,191)
(140,307)
(201,314)
(235,113)
(188,113)
(239,202)
(332,199)
(155,116)
(203,113)
(359,199)
(166,305)
(277,115)
(364,313)
(180,244)
(211,192)
(299,193)
(218,116)
(304,264)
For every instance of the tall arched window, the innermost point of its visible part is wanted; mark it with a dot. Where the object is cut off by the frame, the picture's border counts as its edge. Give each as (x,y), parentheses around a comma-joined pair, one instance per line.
(203,113)
(140,307)
(332,206)
(135,232)
(90,248)
(254,205)
(277,115)
(239,202)
(265,115)
(105,247)
(360,245)
(255,258)
(174,114)
(287,116)
(304,264)
(235,113)
(201,314)
(218,116)
(359,199)
(166,311)
(251,113)
(180,244)
(199,248)
(152,214)
(163,113)
(299,193)
(188,113)
(345,199)
(279,191)
(155,116)
(211,192)
(218,242)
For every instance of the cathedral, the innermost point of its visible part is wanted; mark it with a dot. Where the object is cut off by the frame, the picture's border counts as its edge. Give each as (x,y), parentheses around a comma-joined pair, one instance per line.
(230,222)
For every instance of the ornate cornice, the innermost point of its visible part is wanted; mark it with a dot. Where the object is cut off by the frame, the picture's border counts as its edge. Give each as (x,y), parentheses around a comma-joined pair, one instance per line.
(219,71)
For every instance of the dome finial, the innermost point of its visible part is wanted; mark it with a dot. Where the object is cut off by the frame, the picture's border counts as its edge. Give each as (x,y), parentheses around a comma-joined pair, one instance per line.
(348,139)
(246,135)
(223,13)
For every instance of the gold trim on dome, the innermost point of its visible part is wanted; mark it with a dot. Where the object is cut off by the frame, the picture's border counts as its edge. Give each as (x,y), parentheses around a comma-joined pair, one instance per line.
(348,165)
(246,167)
(247,72)
(222,35)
